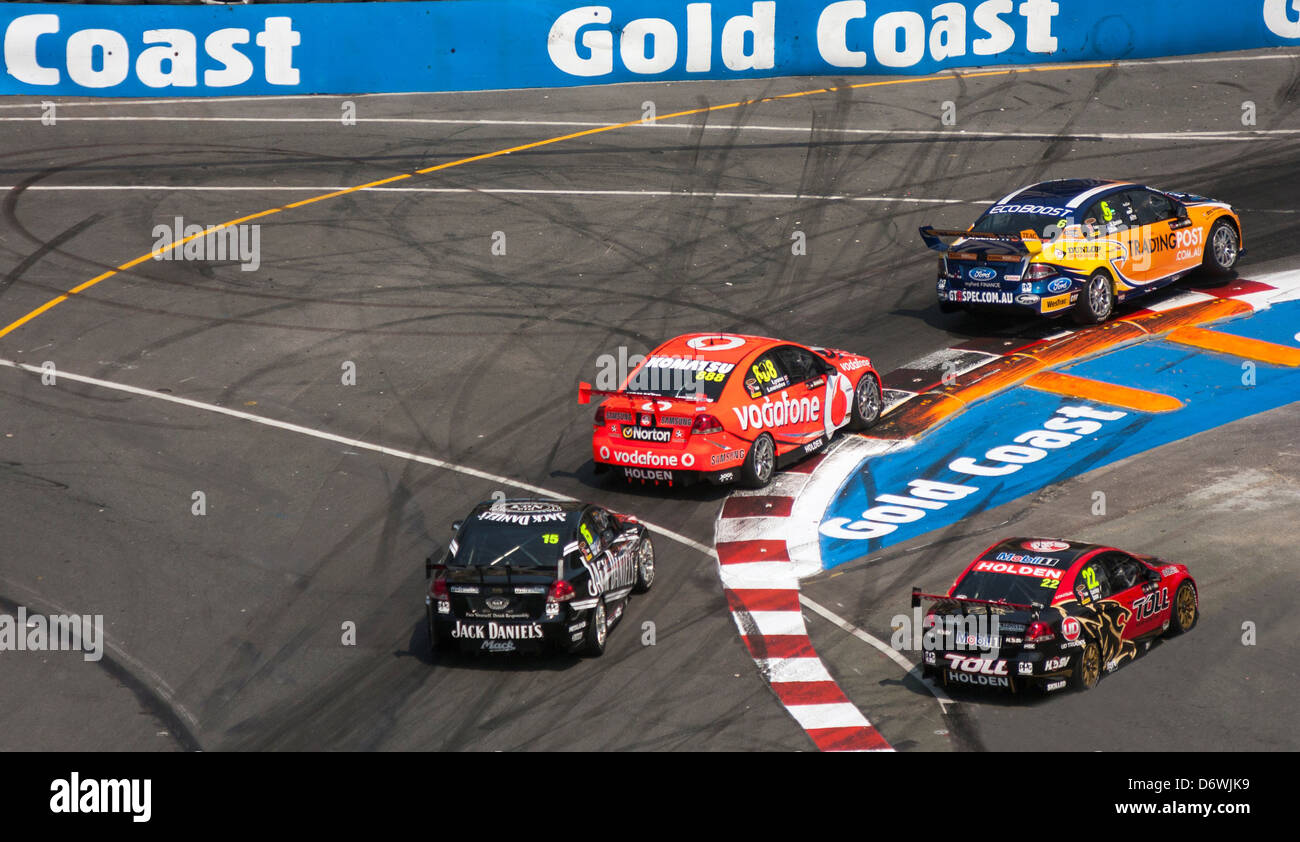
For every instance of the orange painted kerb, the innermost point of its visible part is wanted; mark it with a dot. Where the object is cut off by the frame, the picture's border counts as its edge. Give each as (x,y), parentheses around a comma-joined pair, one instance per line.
(1110,394)
(1237,346)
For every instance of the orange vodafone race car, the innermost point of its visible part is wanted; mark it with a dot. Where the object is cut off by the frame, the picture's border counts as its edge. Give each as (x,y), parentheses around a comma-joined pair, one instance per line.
(729,408)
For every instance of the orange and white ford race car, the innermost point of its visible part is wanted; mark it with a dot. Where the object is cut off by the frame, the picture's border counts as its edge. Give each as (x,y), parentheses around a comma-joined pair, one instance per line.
(1080,246)
(729,408)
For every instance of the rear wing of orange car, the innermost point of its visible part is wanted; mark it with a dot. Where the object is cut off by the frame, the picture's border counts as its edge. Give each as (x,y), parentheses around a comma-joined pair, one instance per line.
(937,239)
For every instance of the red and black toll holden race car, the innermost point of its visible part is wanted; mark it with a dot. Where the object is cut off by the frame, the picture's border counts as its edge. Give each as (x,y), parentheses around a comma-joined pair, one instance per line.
(1052,613)
(729,408)
(535,575)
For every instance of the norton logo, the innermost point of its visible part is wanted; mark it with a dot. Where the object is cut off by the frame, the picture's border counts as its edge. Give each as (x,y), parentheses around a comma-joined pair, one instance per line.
(981,273)
(1278,17)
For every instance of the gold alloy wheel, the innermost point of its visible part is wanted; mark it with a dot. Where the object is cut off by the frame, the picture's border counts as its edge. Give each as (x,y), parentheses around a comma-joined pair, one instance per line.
(1091,665)
(1186,607)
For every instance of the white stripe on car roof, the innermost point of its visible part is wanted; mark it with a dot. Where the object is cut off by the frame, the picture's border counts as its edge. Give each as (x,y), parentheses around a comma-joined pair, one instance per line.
(1088,194)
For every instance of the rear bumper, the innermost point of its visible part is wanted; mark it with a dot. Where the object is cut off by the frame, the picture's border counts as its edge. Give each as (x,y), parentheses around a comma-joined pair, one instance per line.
(1050,305)
(484,635)
(1013,673)
(704,460)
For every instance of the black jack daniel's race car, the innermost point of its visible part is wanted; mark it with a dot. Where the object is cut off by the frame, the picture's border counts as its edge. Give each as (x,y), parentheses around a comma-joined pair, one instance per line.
(534,575)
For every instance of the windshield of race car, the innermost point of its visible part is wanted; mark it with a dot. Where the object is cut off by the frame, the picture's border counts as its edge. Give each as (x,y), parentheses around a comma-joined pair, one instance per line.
(1012,219)
(500,539)
(1036,585)
(680,377)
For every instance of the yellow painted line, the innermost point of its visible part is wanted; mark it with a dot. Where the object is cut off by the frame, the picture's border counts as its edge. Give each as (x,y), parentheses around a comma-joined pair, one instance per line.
(953,77)
(1237,346)
(1111,394)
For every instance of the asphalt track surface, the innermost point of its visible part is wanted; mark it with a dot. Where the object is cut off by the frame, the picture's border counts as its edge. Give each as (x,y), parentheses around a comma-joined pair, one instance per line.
(226,628)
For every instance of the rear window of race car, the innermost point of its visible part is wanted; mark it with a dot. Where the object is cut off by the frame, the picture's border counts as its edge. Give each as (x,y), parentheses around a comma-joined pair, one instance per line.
(497,539)
(1014,218)
(1020,583)
(680,377)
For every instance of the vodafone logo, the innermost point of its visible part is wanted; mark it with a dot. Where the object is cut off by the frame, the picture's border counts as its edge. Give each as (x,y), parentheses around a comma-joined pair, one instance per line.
(721,342)
(1070,628)
(1046,546)
(604,452)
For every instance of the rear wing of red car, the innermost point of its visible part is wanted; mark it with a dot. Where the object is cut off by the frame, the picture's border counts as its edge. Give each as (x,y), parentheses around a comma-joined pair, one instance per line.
(917,596)
(586,391)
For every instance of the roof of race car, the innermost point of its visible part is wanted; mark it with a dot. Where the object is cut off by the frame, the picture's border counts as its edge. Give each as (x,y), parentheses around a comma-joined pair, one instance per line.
(1050,552)
(1062,193)
(722,347)
(526,512)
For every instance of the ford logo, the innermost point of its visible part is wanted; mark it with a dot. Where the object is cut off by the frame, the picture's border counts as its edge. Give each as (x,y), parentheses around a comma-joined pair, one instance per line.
(1059,285)
(497,603)
(981,273)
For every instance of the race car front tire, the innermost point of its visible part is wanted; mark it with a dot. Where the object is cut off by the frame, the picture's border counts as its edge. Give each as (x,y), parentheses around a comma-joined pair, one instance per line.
(645,565)
(760,463)
(1222,247)
(1087,669)
(1096,301)
(1185,612)
(867,403)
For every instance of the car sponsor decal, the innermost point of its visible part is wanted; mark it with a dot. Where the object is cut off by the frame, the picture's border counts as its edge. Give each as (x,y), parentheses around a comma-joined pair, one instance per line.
(497,631)
(778,413)
(718,342)
(981,273)
(724,458)
(979,680)
(1046,546)
(1071,628)
(1058,285)
(1018,570)
(1152,603)
(656,434)
(971,296)
(854,365)
(648,474)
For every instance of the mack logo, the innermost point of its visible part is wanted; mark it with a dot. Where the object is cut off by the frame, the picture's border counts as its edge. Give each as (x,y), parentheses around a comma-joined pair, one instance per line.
(981,273)
(1059,285)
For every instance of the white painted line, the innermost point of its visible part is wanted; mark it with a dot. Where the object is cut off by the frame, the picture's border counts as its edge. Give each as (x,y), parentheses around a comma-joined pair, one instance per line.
(781,670)
(749,528)
(509,191)
(1182,299)
(763,575)
(770,622)
(344,440)
(838,715)
(1048,134)
(889,651)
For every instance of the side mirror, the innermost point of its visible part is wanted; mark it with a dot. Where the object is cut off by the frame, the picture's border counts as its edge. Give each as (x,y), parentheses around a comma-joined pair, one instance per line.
(455,527)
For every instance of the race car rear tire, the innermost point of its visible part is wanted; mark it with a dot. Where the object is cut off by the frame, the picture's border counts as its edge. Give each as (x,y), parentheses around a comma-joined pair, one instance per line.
(950,307)
(1087,669)
(1096,300)
(1222,248)
(760,463)
(867,403)
(593,639)
(645,565)
(1185,612)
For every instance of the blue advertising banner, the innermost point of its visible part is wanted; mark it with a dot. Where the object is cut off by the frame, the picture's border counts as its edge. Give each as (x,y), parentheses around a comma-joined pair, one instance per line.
(461,45)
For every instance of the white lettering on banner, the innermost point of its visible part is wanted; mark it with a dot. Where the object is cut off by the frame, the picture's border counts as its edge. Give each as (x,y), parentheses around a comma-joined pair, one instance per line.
(101,58)
(898,38)
(1059,432)
(1277,17)
(581,41)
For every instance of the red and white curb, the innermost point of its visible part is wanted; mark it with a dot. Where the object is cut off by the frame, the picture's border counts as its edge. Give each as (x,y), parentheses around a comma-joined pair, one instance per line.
(767,540)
